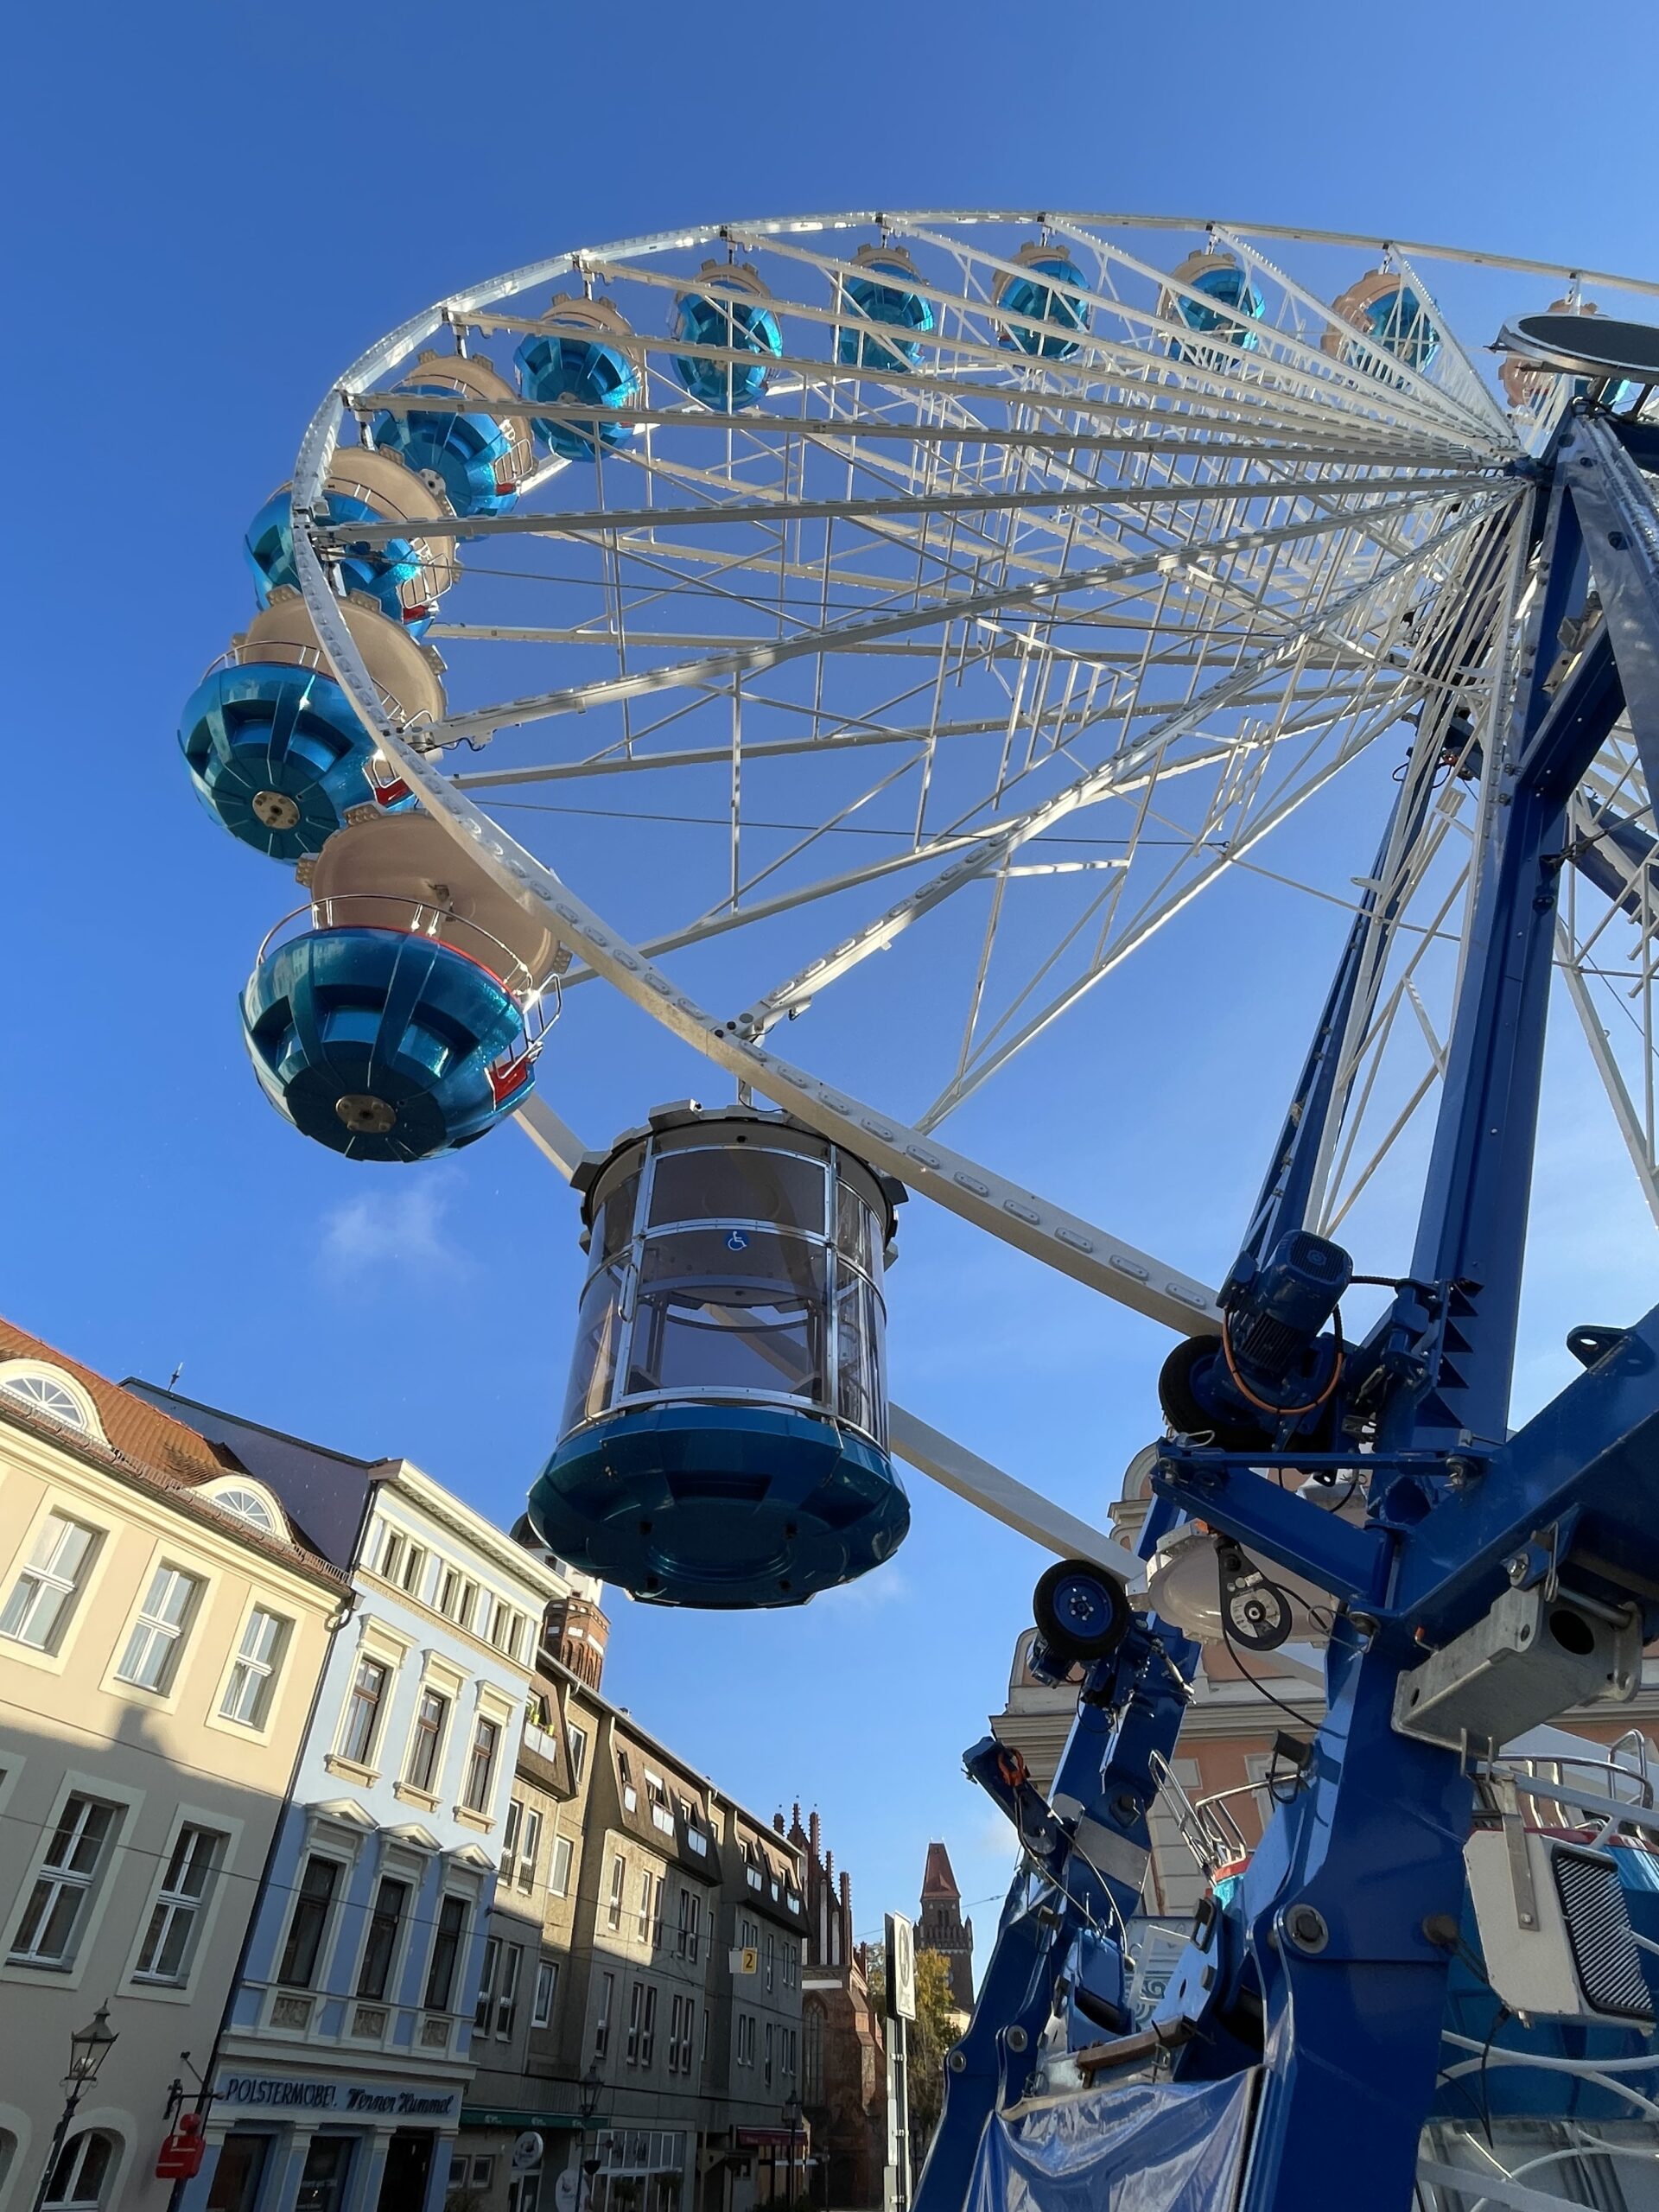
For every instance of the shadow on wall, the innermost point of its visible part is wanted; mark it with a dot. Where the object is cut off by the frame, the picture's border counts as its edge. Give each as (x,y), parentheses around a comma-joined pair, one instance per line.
(125,1893)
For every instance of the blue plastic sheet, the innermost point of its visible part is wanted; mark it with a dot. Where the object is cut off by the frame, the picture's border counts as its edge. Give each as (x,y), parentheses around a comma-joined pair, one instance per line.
(1142,2147)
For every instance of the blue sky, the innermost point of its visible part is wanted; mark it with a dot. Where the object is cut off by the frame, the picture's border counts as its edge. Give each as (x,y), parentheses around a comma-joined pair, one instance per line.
(213,208)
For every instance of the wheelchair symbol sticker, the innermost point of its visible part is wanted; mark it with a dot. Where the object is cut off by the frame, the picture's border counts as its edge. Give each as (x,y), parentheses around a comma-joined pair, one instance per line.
(737,1241)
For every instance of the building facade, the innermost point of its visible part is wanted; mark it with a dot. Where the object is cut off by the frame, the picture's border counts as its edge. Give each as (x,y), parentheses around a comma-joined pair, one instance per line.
(163,1628)
(941,1927)
(650,1932)
(843,2049)
(345,2059)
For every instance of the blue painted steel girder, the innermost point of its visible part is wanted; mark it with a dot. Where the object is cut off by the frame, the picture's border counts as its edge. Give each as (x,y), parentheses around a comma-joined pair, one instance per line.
(1129,1716)
(1336,1899)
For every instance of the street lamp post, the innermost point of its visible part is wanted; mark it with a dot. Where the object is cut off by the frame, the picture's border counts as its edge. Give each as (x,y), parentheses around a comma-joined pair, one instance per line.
(793,2121)
(592,2087)
(88,2047)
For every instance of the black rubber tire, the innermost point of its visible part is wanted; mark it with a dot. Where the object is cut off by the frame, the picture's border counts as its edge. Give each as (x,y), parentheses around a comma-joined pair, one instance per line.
(1180,1404)
(1058,1624)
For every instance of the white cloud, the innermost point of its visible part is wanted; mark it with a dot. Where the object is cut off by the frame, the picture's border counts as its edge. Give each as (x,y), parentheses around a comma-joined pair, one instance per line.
(881,1586)
(402,1228)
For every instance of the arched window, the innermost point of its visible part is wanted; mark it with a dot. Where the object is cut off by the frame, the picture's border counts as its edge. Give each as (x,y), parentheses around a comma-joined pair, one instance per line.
(84,2169)
(47,1390)
(812,2052)
(243,1503)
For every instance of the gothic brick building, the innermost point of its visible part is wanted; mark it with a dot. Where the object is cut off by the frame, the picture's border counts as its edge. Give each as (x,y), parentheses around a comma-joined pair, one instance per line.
(843,2057)
(942,1928)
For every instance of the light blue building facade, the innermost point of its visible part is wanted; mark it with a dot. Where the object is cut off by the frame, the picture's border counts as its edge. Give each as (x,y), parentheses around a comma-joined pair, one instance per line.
(338,2081)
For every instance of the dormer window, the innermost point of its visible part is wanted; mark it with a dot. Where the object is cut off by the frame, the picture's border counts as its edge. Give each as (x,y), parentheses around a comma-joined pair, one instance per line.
(241,1501)
(657,1791)
(50,1391)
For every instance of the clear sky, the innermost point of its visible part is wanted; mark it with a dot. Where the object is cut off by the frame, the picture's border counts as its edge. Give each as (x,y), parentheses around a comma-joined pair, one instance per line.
(212,207)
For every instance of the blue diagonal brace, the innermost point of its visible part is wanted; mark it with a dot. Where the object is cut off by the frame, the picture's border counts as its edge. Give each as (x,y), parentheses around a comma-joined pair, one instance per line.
(1305,1539)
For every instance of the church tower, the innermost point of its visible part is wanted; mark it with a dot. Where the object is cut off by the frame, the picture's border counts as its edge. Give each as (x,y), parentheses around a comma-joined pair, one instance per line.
(942,1928)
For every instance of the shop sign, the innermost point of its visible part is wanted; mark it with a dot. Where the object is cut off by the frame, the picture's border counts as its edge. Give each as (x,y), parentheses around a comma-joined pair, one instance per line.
(181,2155)
(295,2093)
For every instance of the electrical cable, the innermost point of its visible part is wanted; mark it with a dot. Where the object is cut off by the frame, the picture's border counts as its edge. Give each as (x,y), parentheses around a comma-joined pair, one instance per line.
(1266,1405)
(1261,1687)
(1502,2014)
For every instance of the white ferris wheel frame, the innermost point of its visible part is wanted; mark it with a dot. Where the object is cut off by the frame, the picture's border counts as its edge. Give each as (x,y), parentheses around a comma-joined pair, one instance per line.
(1468,420)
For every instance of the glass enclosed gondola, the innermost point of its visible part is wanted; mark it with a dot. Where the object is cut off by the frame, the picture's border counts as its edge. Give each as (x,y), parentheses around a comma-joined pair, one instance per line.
(1047,292)
(404,575)
(277,752)
(1397,324)
(1221,284)
(724,1436)
(727,311)
(398,1016)
(467,451)
(580,363)
(872,297)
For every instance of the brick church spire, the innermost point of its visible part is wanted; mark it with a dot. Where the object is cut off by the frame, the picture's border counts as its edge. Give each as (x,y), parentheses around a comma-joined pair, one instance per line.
(942,1928)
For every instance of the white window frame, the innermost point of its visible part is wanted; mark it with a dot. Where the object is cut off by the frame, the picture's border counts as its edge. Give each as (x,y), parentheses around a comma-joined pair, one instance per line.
(480,1804)
(364,1757)
(390,1871)
(506,1999)
(153,1633)
(529,1849)
(467,1903)
(487,1972)
(602,2015)
(17,1376)
(619,1882)
(75,2202)
(171,1904)
(547,1992)
(50,1580)
(418,1735)
(575,1744)
(558,1867)
(317,1981)
(90,1883)
(266,1514)
(247,1668)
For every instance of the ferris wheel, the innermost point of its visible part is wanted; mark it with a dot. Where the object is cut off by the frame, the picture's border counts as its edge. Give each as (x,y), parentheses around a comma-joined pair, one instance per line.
(699,617)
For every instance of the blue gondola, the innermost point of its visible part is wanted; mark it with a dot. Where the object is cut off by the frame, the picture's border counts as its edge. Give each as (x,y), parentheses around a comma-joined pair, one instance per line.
(479,458)
(583,364)
(1047,293)
(893,306)
(384,1044)
(1219,278)
(1382,304)
(728,310)
(403,576)
(276,749)
(724,1439)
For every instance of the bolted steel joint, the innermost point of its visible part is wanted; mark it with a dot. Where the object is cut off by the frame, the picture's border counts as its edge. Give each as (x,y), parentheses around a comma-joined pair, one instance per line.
(1305,1927)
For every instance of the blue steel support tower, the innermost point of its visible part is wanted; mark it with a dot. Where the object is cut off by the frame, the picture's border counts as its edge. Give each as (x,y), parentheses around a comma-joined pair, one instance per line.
(1339,1942)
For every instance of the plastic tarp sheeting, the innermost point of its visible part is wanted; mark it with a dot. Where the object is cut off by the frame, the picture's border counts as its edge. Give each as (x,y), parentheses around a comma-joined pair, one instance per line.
(1142,2147)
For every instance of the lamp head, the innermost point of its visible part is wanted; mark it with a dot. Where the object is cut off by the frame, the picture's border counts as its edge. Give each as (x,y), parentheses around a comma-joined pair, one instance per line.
(90,2046)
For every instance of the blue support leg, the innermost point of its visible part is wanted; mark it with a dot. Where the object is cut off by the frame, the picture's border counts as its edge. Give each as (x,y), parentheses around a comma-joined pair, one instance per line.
(1081,1872)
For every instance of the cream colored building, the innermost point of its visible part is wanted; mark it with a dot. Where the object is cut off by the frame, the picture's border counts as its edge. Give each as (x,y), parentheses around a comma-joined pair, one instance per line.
(162,1632)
